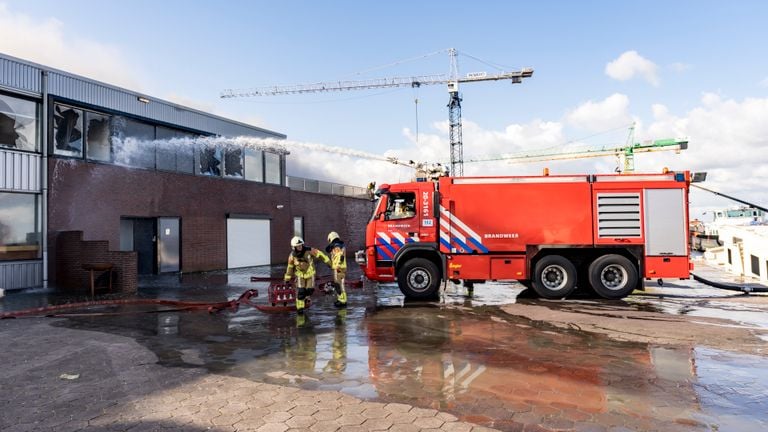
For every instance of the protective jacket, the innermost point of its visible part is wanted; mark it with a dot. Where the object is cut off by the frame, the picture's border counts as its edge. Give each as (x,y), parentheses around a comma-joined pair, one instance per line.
(337,252)
(301,263)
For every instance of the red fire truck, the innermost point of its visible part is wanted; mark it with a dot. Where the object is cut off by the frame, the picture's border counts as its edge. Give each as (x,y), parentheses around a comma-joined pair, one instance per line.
(550,233)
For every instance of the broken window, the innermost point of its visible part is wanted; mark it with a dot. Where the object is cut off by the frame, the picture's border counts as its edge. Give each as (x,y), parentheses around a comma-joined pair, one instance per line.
(272,168)
(254,165)
(97,137)
(210,160)
(18,123)
(19,226)
(233,161)
(67,131)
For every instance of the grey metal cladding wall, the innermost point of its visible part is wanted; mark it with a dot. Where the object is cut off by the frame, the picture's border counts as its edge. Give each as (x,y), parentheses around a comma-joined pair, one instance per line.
(21,274)
(114,98)
(19,171)
(20,76)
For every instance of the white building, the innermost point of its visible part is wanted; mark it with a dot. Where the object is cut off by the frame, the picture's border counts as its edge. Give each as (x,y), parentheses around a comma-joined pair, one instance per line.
(744,251)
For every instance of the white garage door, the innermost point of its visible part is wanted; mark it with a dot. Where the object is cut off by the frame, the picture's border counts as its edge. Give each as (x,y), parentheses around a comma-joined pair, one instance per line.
(247,242)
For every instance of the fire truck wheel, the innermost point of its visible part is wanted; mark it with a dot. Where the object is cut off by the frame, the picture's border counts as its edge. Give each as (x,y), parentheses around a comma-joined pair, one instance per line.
(554,277)
(419,278)
(612,276)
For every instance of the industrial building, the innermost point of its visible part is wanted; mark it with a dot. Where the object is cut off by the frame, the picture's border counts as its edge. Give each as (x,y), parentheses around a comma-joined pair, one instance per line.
(92,174)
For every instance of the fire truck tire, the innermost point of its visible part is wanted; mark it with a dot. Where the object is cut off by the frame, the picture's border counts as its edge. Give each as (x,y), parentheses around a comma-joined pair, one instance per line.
(554,277)
(419,278)
(612,276)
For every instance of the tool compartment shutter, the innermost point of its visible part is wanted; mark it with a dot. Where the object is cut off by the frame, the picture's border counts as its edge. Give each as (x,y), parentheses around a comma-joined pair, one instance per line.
(665,228)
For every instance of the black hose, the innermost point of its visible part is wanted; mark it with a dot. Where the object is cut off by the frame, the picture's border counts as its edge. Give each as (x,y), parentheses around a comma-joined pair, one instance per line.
(746,289)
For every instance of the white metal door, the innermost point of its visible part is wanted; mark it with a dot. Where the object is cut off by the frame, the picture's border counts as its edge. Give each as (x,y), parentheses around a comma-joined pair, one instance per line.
(248,242)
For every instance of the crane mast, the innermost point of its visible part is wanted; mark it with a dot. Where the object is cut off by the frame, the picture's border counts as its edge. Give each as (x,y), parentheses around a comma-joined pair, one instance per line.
(452,80)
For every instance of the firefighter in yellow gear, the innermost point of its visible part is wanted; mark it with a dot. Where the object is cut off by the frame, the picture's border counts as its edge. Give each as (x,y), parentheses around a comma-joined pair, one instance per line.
(301,264)
(337,252)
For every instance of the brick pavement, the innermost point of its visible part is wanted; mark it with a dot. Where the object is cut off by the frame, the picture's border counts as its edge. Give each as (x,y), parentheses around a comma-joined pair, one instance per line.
(121,388)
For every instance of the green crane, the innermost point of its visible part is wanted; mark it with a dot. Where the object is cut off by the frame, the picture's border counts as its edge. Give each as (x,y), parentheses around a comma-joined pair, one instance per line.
(625,153)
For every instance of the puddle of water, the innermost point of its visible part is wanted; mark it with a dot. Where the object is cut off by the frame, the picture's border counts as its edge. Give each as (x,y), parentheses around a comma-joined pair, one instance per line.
(733,389)
(461,355)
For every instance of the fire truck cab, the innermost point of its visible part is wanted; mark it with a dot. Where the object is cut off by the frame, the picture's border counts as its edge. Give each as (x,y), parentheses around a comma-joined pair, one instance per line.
(550,233)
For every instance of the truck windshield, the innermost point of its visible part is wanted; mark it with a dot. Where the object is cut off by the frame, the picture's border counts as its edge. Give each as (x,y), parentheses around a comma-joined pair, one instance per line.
(401,206)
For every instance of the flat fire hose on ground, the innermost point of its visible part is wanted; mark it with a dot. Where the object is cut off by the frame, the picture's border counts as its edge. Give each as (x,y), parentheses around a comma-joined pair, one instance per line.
(280,297)
(746,289)
(56,310)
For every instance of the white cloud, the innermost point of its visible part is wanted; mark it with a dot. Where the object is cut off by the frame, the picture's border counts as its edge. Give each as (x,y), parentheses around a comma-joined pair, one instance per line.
(612,112)
(49,42)
(728,139)
(630,64)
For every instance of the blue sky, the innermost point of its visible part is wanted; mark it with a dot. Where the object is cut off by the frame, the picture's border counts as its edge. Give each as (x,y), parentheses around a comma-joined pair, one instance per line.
(678,69)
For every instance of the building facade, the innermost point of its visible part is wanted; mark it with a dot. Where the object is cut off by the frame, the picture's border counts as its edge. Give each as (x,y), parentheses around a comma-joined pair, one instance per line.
(148,176)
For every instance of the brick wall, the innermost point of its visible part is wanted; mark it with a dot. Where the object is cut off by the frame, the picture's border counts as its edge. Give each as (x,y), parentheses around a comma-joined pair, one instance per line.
(92,197)
(72,252)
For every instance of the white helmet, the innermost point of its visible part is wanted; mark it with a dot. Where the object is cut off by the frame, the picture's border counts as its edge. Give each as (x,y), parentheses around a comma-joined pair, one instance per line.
(296,241)
(333,235)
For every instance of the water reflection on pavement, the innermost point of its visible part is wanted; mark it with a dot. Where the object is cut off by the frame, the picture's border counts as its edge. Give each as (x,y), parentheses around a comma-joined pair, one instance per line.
(461,355)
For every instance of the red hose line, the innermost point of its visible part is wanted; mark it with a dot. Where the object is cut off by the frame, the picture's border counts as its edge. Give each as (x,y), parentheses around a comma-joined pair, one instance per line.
(245,298)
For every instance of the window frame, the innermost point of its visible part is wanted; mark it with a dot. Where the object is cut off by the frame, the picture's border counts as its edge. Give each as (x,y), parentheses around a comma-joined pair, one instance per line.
(38,138)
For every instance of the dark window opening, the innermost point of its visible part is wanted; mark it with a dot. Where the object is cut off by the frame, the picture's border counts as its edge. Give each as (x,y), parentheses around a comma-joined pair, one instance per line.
(210,160)
(233,161)
(755,261)
(67,131)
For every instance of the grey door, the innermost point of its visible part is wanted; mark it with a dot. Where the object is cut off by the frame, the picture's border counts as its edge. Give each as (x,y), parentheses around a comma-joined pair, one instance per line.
(144,238)
(168,246)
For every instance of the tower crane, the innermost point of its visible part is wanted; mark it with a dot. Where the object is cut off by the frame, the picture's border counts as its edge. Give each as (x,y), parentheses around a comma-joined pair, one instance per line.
(452,80)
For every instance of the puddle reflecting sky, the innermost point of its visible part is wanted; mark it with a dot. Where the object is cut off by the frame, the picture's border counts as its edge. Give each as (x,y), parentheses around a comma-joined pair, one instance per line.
(463,356)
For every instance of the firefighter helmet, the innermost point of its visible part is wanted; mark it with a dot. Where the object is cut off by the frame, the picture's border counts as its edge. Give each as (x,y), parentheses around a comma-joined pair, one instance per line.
(296,241)
(333,235)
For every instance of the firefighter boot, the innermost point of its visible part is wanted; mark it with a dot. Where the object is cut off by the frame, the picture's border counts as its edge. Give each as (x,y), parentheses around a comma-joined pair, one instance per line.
(300,296)
(341,297)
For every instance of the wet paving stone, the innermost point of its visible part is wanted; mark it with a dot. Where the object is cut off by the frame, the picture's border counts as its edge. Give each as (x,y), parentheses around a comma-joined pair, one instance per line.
(462,356)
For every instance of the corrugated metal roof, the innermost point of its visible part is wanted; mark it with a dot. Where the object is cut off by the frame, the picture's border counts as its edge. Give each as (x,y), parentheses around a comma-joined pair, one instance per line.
(23,76)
